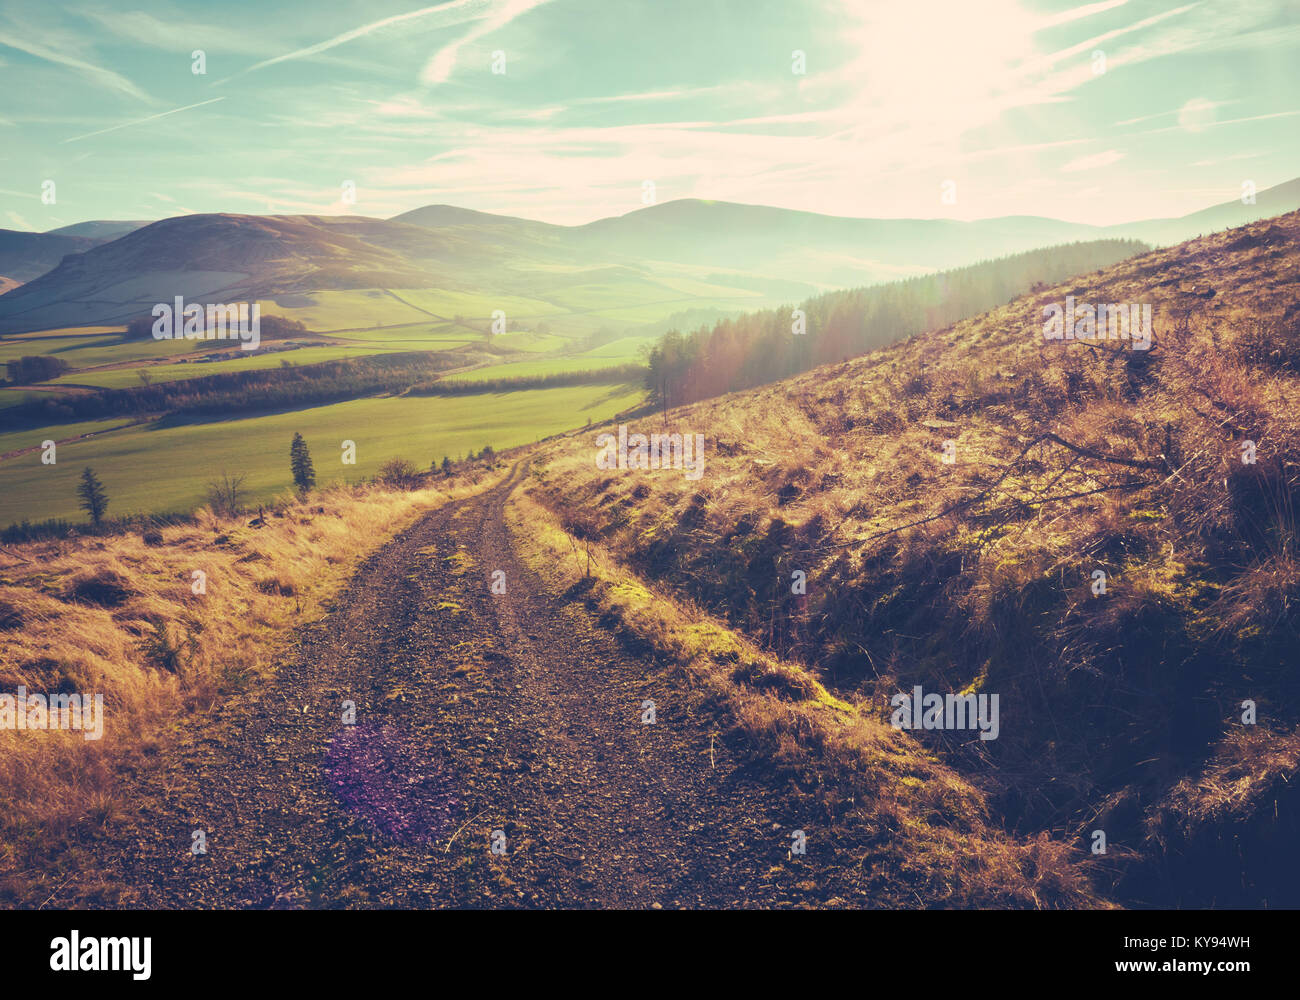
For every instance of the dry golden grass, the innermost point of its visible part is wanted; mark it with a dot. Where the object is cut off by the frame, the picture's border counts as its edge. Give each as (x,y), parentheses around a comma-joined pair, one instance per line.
(119,617)
(940,848)
(977,575)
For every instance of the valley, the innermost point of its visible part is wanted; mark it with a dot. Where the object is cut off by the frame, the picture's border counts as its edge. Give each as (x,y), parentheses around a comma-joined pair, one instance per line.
(846,551)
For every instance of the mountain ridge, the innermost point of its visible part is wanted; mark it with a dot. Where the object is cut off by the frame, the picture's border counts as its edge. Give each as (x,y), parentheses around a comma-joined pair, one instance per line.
(85,280)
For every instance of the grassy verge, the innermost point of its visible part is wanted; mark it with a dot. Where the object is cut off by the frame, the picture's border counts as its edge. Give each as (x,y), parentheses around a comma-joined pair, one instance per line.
(1172,475)
(119,616)
(914,831)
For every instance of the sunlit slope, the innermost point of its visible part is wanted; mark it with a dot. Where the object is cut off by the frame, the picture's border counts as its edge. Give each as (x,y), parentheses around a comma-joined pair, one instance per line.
(1120,711)
(634,268)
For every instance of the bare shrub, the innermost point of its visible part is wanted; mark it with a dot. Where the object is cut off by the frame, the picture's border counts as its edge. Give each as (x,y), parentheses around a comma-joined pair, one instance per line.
(226,495)
(398,474)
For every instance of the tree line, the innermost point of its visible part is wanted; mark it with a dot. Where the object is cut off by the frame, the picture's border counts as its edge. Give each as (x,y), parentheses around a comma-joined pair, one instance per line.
(270,327)
(588,376)
(34,368)
(288,386)
(763,347)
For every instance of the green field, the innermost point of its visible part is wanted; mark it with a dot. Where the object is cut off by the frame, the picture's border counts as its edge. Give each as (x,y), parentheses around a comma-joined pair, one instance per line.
(530,343)
(550,366)
(470,305)
(425,336)
(621,351)
(12,397)
(122,378)
(100,346)
(165,467)
(16,440)
(369,308)
(363,308)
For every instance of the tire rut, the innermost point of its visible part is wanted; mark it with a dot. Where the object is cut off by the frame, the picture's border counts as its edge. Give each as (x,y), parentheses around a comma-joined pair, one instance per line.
(477,716)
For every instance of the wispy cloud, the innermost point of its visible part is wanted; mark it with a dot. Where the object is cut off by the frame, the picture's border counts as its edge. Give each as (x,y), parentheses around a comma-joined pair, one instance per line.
(141,121)
(439,68)
(1226,121)
(175,34)
(101,75)
(444,14)
(1075,13)
(650,95)
(1097,41)
(1226,159)
(1200,103)
(896,99)
(1093,162)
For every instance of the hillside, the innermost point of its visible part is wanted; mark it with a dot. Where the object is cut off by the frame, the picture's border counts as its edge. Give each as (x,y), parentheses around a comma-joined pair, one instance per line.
(476,712)
(743,352)
(519,710)
(624,270)
(24,256)
(214,258)
(101,229)
(1277,200)
(478,262)
(1122,711)
(828,250)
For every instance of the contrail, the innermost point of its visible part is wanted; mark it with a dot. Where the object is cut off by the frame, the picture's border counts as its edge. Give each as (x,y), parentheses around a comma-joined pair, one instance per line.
(115,80)
(360,32)
(141,121)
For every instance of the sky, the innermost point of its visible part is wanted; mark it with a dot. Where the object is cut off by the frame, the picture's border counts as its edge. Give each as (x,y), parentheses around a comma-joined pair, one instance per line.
(572,110)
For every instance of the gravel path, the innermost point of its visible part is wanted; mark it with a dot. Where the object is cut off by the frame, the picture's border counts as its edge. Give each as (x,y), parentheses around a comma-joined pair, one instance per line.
(475,713)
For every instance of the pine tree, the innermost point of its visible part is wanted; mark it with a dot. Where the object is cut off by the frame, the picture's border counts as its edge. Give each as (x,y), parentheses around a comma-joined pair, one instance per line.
(304,473)
(94,498)
(446,465)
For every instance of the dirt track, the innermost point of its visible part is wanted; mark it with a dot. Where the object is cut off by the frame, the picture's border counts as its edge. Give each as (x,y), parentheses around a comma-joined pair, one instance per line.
(475,713)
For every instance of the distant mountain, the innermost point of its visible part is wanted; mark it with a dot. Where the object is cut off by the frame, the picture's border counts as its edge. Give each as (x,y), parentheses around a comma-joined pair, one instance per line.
(664,258)
(24,256)
(1276,200)
(828,251)
(843,252)
(218,258)
(102,230)
(449,216)
(759,246)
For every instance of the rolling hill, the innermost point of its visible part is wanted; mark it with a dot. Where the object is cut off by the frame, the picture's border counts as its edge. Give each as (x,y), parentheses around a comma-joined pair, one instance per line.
(1272,201)
(634,268)
(211,258)
(24,256)
(221,258)
(101,229)
(953,503)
